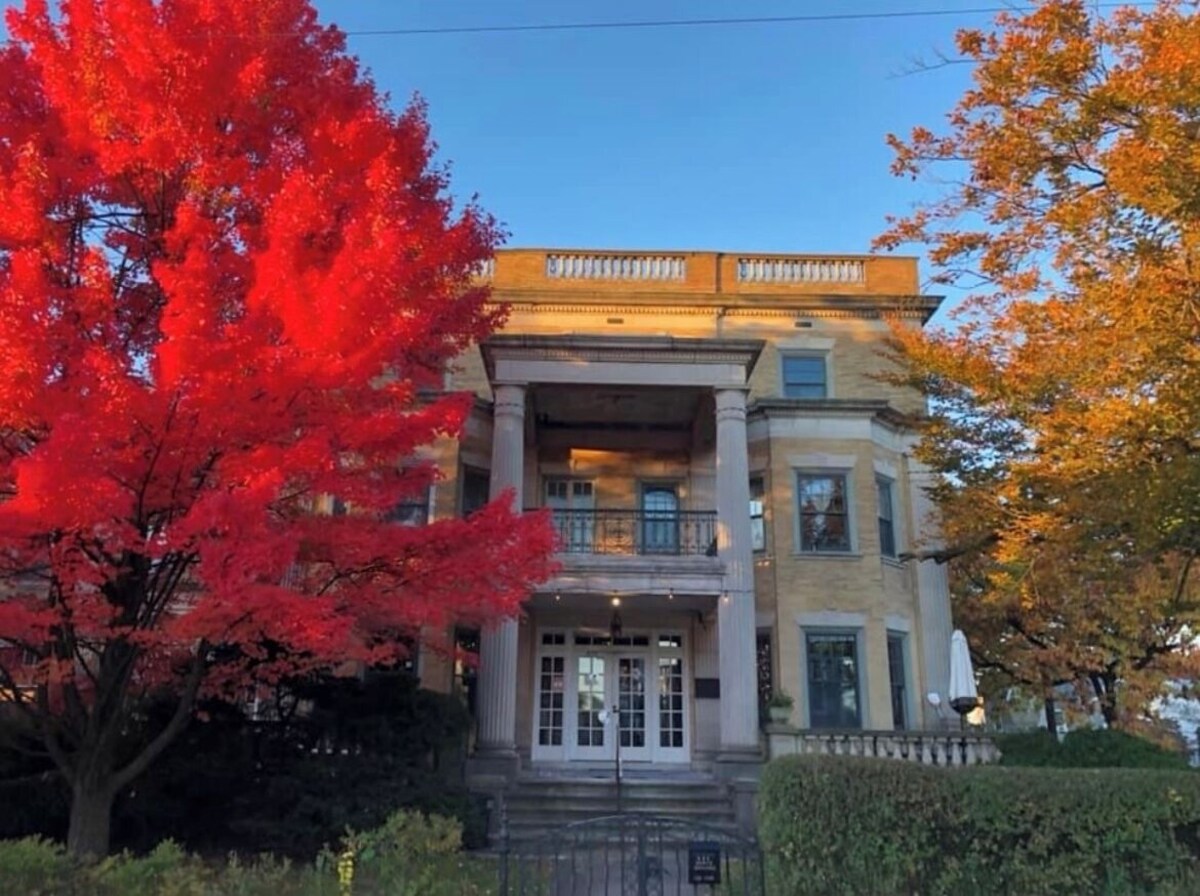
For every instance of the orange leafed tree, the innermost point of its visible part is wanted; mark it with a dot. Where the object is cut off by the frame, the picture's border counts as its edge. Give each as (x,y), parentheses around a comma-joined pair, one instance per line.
(230,282)
(1067,391)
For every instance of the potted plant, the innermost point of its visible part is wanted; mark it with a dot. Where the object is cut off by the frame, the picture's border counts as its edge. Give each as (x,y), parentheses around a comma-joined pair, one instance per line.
(779,707)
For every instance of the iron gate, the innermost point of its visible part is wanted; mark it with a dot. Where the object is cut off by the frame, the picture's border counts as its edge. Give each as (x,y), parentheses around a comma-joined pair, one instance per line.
(633,855)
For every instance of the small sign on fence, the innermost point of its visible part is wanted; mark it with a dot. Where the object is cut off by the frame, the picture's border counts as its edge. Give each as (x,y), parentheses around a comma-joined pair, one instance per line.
(704,862)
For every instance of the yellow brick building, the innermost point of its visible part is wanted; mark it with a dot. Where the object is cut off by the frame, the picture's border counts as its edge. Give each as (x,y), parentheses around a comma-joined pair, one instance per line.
(734,493)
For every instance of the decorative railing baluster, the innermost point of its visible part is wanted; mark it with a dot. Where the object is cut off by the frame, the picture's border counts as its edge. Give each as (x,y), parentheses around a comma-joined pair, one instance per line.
(787,270)
(942,748)
(597,266)
(638,532)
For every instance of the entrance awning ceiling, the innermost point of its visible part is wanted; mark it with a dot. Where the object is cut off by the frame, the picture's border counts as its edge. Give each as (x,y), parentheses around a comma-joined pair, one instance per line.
(627,407)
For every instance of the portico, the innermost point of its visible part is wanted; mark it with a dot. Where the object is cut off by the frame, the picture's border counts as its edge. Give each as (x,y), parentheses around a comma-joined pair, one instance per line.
(646,637)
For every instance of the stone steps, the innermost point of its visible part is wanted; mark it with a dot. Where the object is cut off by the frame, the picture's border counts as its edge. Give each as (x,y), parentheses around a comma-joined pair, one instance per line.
(536,807)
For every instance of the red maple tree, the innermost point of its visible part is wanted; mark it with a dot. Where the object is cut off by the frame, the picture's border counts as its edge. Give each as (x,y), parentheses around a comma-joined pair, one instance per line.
(230,280)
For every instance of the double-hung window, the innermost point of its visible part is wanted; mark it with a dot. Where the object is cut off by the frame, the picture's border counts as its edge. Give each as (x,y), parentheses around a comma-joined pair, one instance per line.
(758,532)
(887,519)
(898,680)
(804,376)
(573,503)
(766,666)
(473,494)
(412,511)
(824,512)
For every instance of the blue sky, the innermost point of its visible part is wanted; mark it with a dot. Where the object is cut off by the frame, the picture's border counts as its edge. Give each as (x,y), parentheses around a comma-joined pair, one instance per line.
(754,137)
(738,137)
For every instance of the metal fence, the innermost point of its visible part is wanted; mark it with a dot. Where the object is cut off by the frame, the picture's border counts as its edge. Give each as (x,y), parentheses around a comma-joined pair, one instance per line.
(632,855)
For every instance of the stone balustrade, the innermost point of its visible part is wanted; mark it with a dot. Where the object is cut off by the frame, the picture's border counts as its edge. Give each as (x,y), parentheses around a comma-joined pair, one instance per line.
(941,748)
(788,269)
(597,266)
(817,278)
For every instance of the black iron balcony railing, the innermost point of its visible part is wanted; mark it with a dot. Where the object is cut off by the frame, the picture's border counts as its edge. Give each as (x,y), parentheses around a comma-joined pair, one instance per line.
(688,532)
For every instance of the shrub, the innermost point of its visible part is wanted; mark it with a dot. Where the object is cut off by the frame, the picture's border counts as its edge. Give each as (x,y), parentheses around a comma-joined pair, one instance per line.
(32,792)
(363,750)
(35,867)
(409,855)
(1104,748)
(859,826)
(295,809)
(1034,749)
(827,830)
(275,787)
(165,871)
(1087,748)
(269,876)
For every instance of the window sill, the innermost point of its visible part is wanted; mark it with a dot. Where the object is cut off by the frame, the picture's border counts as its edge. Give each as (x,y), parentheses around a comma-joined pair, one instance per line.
(827,555)
(892,562)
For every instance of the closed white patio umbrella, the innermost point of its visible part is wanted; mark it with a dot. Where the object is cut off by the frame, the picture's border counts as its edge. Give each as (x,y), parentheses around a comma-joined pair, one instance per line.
(963,696)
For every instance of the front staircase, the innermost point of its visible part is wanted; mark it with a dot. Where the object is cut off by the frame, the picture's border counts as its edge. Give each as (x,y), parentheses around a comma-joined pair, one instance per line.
(538,804)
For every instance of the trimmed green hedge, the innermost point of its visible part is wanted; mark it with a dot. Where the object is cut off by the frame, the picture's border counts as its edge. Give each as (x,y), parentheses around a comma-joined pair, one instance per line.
(1086,748)
(833,825)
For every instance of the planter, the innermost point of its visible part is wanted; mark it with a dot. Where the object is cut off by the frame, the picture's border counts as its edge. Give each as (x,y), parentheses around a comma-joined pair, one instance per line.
(780,715)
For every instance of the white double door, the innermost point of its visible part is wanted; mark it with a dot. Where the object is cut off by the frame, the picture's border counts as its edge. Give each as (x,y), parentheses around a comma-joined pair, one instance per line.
(612,707)
(617,699)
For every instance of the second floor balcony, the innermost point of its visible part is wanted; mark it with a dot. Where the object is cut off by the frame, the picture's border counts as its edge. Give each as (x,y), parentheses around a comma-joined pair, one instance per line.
(654,533)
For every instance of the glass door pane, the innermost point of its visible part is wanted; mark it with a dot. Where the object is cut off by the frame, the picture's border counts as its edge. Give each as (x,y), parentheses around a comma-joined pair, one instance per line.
(670,702)
(589,724)
(660,520)
(550,702)
(583,518)
(572,503)
(631,700)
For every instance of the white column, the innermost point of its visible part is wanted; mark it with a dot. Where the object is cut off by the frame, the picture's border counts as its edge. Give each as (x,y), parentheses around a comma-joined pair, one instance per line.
(933,584)
(735,615)
(497,700)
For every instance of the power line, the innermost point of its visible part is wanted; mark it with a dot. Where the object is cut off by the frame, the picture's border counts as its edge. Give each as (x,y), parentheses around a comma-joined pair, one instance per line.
(812,18)
(700,23)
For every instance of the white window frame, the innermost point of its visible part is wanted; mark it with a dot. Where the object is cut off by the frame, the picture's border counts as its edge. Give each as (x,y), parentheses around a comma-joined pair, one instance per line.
(654,752)
(539,751)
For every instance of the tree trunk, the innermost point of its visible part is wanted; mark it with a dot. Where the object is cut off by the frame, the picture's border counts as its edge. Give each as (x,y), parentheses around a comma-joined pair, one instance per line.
(1051,722)
(91,819)
(1107,692)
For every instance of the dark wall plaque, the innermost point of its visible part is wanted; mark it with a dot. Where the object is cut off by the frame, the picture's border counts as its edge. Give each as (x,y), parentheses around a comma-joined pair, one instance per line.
(704,862)
(708,689)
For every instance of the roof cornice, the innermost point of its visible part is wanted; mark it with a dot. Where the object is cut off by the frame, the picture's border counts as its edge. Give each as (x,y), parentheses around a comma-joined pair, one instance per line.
(878,409)
(919,307)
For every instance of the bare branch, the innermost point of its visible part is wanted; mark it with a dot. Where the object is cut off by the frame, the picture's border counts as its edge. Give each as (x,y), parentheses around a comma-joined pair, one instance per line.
(179,719)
